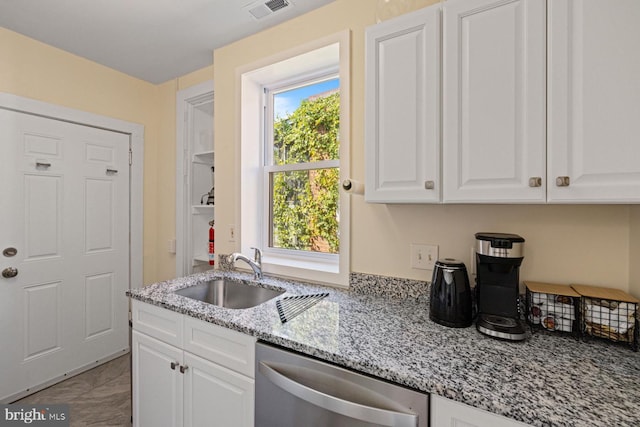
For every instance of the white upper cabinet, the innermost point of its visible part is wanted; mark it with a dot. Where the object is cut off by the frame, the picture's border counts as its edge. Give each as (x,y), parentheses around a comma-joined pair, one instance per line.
(494,101)
(402,110)
(594,101)
(539,102)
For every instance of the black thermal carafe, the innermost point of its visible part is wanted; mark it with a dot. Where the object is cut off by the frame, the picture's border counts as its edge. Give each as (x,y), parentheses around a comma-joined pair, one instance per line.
(450,298)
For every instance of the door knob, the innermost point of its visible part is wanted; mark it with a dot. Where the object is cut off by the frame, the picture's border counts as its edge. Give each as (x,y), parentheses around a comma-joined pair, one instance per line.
(9,272)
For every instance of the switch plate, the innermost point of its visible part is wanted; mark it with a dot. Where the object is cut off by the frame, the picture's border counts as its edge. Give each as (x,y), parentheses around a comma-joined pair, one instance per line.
(171,246)
(423,257)
(232,233)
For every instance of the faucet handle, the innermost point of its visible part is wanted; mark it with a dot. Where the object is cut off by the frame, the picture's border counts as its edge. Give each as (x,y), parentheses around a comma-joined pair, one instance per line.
(257,255)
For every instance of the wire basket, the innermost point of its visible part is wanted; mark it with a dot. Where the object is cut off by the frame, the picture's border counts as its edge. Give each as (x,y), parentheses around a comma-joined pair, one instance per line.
(552,307)
(609,314)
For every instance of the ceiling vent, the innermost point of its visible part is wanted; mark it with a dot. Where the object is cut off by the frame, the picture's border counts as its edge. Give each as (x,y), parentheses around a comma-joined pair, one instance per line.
(265,9)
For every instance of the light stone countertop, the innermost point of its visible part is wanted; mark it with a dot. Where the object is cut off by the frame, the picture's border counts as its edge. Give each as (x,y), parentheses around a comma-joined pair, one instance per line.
(545,381)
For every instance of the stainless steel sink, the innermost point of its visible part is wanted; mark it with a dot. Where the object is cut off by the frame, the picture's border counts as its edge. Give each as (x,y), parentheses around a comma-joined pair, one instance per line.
(229,293)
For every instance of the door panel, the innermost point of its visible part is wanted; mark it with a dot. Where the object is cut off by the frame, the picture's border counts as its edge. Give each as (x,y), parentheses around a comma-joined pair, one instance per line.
(594,101)
(67,307)
(494,100)
(99,215)
(402,133)
(99,293)
(43,145)
(42,320)
(43,216)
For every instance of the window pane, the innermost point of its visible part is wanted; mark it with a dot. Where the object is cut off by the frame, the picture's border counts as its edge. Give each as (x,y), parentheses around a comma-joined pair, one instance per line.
(306,122)
(305,210)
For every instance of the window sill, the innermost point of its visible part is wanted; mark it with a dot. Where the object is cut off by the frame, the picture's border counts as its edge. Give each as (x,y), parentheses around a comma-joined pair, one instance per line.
(312,270)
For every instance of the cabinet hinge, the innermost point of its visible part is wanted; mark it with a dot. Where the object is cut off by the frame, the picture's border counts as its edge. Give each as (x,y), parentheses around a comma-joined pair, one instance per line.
(130,157)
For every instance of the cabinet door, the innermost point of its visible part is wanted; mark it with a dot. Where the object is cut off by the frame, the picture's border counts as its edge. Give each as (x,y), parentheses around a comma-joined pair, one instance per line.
(216,396)
(445,412)
(402,120)
(157,387)
(594,101)
(494,101)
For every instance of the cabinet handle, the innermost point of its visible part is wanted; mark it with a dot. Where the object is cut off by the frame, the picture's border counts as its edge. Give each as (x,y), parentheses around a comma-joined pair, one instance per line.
(42,164)
(563,181)
(173,365)
(112,171)
(535,181)
(183,369)
(429,185)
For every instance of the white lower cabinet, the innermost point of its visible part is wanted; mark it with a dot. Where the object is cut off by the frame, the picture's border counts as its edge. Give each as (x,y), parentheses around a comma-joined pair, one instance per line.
(447,413)
(216,396)
(175,387)
(157,389)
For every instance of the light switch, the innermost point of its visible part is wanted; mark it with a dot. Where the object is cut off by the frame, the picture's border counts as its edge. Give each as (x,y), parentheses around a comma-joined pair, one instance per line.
(423,257)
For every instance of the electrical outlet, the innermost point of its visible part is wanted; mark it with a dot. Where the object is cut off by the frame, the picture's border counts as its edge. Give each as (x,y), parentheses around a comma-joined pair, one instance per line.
(232,233)
(423,257)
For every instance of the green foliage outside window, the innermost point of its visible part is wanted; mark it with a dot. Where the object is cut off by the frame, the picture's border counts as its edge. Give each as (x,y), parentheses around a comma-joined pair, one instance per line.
(305,203)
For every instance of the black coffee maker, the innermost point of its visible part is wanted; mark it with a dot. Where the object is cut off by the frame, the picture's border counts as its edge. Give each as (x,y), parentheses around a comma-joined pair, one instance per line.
(498,260)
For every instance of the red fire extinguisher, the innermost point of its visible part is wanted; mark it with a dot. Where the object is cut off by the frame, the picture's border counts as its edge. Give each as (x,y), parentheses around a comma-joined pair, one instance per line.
(211,244)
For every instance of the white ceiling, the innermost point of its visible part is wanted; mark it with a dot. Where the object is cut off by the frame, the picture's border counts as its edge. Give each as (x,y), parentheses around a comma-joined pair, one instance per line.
(154,40)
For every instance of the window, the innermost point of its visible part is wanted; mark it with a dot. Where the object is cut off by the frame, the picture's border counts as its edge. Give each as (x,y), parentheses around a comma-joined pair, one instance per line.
(294,154)
(302,166)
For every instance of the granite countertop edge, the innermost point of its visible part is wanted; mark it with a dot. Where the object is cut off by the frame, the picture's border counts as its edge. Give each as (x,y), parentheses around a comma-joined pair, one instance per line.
(390,336)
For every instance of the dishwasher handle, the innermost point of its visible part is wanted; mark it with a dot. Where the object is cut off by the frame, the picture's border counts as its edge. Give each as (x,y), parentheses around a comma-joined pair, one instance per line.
(340,406)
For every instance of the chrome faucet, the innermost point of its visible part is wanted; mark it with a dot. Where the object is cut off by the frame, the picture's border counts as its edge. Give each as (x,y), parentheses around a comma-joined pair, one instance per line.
(256,264)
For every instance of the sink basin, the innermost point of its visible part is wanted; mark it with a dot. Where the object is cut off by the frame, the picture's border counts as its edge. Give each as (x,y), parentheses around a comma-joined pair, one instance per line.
(229,293)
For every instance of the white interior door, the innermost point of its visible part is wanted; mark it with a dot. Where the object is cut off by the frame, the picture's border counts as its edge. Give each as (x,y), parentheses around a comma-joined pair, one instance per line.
(65,210)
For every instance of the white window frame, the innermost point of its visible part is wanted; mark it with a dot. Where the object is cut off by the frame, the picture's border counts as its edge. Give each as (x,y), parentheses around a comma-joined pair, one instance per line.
(270,168)
(327,56)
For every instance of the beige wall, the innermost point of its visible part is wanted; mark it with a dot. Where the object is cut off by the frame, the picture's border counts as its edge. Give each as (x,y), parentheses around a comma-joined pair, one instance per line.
(35,70)
(564,244)
(588,244)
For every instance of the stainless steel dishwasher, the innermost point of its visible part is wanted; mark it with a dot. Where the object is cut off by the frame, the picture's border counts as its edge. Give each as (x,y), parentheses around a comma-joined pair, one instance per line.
(294,390)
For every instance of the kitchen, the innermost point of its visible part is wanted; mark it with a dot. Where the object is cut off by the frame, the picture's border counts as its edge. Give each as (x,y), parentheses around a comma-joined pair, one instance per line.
(592,244)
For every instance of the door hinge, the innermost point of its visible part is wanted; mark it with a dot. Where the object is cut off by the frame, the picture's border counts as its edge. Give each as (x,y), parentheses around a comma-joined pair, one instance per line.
(130,157)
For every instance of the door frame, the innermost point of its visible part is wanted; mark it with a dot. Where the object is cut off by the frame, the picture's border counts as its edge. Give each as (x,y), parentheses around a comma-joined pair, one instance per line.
(186,99)
(135,131)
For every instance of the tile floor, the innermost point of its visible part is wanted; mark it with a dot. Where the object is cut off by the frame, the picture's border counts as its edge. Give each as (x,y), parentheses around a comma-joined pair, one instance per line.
(99,397)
